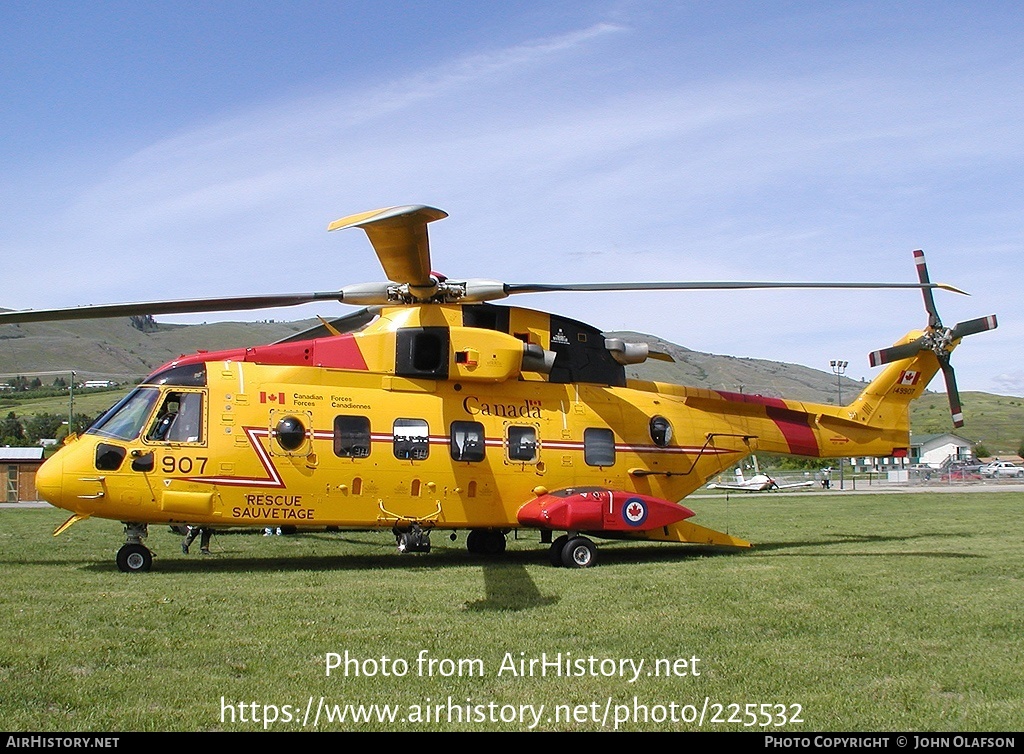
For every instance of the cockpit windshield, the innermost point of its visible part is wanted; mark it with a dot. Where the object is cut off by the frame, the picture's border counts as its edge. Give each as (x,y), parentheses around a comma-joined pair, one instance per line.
(126,420)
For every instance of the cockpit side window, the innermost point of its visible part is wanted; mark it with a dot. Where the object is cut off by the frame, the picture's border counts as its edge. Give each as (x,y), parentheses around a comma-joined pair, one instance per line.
(180,419)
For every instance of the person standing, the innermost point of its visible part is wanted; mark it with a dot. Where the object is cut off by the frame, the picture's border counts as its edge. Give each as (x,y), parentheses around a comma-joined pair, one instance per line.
(204,533)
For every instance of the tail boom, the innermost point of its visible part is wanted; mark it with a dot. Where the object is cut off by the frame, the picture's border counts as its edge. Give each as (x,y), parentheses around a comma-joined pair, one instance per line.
(876,423)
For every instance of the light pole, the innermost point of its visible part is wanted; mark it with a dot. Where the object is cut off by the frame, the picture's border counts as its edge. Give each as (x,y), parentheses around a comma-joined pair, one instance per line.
(839,369)
(71,402)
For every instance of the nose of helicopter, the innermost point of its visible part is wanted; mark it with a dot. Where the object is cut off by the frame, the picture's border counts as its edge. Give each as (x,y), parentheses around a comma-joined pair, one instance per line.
(49,479)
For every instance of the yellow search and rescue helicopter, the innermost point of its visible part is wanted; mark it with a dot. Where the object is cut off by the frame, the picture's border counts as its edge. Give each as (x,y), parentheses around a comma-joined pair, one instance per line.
(432,409)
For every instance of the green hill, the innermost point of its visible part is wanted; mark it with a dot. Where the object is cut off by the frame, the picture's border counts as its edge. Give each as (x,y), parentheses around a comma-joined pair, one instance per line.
(114,349)
(996,421)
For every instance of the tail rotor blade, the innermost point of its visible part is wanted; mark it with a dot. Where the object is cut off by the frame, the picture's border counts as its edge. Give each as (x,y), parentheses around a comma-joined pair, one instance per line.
(929,299)
(955,407)
(972,326)
(896,353)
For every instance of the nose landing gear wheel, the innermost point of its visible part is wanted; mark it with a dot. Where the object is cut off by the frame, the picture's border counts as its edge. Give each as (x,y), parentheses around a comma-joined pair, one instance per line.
(134,558)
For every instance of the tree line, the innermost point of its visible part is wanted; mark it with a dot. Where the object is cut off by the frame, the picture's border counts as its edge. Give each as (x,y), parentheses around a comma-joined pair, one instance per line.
(26,432)
(34,385)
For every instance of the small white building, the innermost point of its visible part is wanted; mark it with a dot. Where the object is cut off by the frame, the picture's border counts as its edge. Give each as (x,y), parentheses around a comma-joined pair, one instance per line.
(939,450)
(935,451)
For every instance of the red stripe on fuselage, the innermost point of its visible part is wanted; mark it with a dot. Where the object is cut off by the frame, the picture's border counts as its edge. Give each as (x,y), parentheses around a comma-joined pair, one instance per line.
(336,352)
(794,425)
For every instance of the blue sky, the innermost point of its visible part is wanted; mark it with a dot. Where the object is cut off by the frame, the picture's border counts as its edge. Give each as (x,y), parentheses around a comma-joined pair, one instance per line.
(175,150)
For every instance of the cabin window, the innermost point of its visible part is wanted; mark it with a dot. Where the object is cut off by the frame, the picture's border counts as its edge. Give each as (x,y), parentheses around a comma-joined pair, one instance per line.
(180,419)
(522,444)
(109,457)
(661,431)
(467,441)
(351,436)
(599,447)
(411,438)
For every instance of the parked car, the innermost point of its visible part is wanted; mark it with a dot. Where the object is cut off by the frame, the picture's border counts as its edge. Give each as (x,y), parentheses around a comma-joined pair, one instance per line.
(961,475)
(922,471)
(967,468)
(998,469)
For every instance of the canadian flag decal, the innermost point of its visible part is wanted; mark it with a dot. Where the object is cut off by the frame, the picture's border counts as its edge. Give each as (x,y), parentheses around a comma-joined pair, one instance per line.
(909,378)
(271,397)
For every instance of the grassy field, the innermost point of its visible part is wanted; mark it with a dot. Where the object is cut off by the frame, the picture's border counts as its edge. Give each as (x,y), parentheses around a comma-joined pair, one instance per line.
(87,402)
(853,613)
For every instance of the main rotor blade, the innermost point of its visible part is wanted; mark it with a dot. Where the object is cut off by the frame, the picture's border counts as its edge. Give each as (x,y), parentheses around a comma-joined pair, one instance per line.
(972,326)
(183,306)
(399,236)
(709,286)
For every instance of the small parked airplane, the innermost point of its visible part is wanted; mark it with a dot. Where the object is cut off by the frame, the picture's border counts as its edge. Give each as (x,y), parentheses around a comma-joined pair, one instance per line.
(757,483)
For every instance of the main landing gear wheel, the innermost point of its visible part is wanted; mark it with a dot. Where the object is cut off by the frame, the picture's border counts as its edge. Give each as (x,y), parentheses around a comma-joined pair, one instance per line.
(555,551)
(134,558)
(416,539)
(573,552)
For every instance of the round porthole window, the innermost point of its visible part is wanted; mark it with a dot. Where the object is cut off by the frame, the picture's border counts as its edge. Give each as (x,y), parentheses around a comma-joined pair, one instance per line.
(290,433)
(661,431)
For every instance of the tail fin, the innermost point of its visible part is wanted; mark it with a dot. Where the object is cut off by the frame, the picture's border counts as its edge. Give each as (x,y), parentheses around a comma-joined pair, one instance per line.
(885,402)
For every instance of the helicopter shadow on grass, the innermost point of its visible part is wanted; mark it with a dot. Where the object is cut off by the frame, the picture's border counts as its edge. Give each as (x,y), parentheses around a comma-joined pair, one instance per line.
(509,587)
